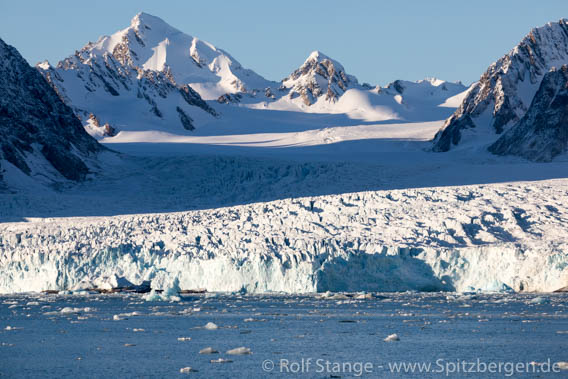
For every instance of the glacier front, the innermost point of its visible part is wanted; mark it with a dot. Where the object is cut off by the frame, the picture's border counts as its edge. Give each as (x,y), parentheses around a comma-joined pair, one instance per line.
(493,237)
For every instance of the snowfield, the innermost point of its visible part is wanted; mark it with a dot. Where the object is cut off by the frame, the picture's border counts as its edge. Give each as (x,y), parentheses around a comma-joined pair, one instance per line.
(494,237)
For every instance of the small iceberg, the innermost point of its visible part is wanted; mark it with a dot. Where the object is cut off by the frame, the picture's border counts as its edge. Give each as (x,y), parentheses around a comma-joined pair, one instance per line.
(539,300)
(186,370)
(239,351)
(211,326)
(208,350)
(170,291)
(69,311)
(392,338)
(221,360)
(8,328)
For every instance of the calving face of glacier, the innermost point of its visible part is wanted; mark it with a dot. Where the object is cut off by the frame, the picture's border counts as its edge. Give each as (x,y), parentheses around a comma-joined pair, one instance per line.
(485,237)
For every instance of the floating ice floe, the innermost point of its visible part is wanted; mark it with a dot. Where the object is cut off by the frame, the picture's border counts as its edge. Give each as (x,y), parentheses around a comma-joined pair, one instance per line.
(208,350)
(250,319)
(69,311)
(392,338)
(221,360)
(239,351)
(12,328)
(211,326)
(539,300)
(122,316)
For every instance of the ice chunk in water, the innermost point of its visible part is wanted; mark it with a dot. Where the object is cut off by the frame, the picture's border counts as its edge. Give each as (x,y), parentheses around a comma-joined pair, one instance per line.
(392,338)
(208,350)
(221,360)
(539,300)
(211,326)
(239,351)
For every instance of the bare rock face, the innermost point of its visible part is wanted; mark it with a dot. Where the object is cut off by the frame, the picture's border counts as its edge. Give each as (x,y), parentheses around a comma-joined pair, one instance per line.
(186,121)
(106,129)
(36,126)
(318,76)
(229,98)
(542,133)
(505,91)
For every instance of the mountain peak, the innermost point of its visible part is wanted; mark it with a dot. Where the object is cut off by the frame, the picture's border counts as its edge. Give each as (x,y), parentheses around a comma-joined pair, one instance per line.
(148,20)
(317,56)
(318,76)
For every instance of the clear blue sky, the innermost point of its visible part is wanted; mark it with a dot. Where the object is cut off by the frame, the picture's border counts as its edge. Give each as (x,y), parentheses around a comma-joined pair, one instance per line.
(377,41)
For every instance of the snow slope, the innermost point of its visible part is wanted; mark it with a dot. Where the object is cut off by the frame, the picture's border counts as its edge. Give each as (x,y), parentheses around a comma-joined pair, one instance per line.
(317,137)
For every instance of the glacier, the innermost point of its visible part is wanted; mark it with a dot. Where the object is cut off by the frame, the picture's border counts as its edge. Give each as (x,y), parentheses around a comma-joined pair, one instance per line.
(494,237)
(314,184)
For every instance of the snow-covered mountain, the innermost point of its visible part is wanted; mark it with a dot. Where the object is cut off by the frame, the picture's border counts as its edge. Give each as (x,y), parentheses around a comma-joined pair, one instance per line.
(318,77)
(149,73)
(428,91)
(151,76)
(41,137)
(543,132)
(322,85)
(505,91)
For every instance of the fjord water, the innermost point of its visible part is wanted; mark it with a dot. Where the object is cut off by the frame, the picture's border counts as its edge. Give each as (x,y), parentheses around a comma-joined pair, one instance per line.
(325,335)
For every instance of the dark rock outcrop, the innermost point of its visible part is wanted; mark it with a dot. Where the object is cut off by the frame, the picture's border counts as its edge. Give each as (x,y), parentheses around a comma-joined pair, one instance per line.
(542,133)
(35,124)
